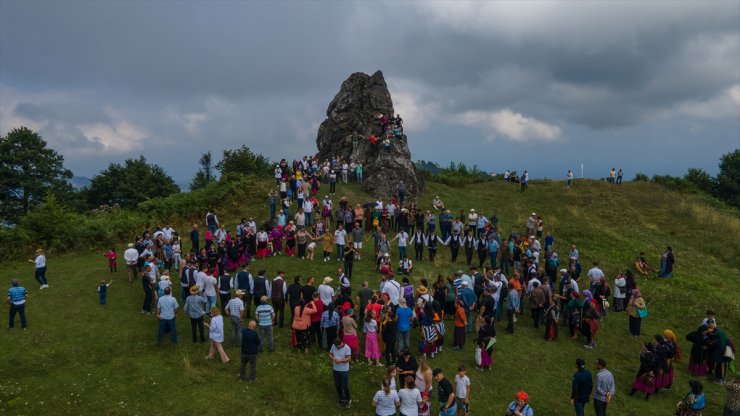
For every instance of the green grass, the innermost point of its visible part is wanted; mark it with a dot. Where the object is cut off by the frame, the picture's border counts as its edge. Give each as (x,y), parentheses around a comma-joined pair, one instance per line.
(82,358)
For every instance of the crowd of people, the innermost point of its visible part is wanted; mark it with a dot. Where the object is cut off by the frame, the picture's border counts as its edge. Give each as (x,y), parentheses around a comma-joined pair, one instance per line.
(398,323)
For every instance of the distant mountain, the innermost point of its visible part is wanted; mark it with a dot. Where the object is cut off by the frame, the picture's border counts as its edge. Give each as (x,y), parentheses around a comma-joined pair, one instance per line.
(80,182)
(428,166)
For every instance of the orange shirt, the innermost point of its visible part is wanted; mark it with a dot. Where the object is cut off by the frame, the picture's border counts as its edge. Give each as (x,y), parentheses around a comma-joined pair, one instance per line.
(461,320)
(303,322)
(517,286)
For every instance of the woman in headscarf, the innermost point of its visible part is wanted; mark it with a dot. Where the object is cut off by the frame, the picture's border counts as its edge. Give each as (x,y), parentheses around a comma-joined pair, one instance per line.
(635,303)
(693,403)
(573,312)
(589,320)
(673,355)
(276,237)
(645,380)
(552,315)
(716,344)
(485,340)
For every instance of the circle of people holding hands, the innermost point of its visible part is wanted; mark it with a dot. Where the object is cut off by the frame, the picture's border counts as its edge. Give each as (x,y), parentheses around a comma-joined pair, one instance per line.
(397,320)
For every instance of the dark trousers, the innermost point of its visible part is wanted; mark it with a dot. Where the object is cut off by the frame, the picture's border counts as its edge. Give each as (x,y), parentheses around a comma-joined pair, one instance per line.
(252,359)
(197,324)
(40,275)
(166,325)
(537,316)
(279,306)
(341,383)
(432,253)
(148,297)
(390,350)
(599,408)
(247,305)
(458,339)
(315,333)
(469,255)
(510,315)
(453,253)
(348,268)
(224,297)
(419,251)
(331,335)
(635,325)
(20,310)
(579,408)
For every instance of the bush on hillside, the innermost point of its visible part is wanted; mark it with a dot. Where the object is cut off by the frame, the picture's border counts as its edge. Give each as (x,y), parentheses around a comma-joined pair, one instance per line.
(639,176)
(458,175)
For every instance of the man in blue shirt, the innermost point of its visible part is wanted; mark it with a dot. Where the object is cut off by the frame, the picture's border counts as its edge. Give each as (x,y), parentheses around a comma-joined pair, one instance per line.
(469,300)
(403,316)
(166,311)
(16,298)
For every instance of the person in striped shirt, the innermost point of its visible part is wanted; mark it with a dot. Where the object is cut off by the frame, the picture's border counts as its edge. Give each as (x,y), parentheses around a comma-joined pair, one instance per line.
(235,311)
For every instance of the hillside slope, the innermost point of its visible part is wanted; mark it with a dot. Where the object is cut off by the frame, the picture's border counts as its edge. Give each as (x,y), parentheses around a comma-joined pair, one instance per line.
(82,358)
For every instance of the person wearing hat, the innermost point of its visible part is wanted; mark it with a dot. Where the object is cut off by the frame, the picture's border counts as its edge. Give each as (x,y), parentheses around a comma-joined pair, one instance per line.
(131,257)
(40,272)
(194,305)
(234,309)
(265,315)
(519,407)
(326,292)
(164,282)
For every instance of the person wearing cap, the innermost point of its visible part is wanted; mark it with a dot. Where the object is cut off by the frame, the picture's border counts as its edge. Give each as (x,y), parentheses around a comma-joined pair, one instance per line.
(234,309)
(194,305)
(519,407)
(16,298)
(166,313)
(445,394)
(581,387)
(266,318)
(131,257)
(605,387)
(326,292)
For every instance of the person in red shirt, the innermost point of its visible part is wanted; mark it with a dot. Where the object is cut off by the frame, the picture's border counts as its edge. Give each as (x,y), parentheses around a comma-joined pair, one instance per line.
(316,320)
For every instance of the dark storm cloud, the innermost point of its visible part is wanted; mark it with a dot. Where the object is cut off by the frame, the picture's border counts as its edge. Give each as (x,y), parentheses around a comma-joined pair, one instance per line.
(174,79)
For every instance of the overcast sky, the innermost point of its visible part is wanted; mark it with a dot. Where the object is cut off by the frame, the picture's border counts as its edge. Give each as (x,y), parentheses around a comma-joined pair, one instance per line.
(650,87)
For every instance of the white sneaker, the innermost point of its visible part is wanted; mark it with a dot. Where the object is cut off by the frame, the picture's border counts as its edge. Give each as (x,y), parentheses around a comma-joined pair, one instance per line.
(42,287)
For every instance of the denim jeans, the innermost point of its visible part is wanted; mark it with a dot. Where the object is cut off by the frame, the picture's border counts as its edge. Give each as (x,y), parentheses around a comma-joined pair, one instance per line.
(578,406)
(341,383)
(401,252)
(40,275)
(492,256)
(340,251)
(167,323)
(266,336)
(236,330)
(210,302)
(20,310)
(469,317)
(403,340)
(451,411)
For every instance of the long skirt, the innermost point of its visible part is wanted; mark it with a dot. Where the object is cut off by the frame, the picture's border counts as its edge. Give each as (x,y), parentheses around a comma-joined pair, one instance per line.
(372,349)
(351,341)
(618,304)
(664,379)
(644,384)
(486,360)
(302,336)
(551,330)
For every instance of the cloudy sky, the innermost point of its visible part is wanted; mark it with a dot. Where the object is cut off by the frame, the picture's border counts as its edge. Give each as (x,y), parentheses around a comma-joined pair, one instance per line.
(650,87)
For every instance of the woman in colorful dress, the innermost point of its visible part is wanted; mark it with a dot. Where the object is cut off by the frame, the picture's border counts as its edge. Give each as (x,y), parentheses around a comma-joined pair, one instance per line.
(486,334)
(372,348)
(645,380)
(552,316)
(694,402)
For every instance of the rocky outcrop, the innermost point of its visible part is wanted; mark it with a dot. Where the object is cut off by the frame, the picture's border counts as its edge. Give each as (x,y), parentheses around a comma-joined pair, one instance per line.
(352,117)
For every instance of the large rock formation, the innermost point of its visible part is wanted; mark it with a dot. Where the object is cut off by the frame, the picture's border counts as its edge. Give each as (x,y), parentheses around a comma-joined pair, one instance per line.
(345,134)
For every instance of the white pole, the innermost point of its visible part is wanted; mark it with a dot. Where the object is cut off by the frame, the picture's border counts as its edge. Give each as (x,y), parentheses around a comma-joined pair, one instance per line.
(581,170)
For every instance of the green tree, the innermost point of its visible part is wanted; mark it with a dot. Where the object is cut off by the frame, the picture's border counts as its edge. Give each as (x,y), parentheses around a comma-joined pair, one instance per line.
(205,174)
(728,179)
(702,180)
(28,171)
(243,161)
(129,183)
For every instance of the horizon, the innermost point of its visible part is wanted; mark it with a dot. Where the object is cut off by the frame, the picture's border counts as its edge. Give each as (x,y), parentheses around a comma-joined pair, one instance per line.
(541,86)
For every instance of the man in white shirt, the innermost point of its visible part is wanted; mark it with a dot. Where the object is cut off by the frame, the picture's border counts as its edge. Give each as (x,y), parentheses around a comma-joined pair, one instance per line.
(326,292)
(220,234)
(392,289)
(131,257)
(339,238)
(403,239)
(308,210)
(405,265)
(168,231)
(595,276)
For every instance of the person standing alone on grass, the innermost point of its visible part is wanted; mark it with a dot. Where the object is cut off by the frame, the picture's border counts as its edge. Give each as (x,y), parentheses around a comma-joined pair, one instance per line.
(581,387)
(16,298)
(249,349)
(40,264)
(605,387)
(103,290)
(340,355)
(166,312)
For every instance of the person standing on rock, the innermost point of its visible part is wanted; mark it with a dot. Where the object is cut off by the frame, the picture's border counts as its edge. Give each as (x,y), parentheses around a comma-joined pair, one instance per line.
(401,192)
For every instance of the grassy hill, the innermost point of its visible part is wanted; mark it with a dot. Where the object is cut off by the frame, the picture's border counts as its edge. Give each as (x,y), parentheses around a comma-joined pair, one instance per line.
(82,358)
